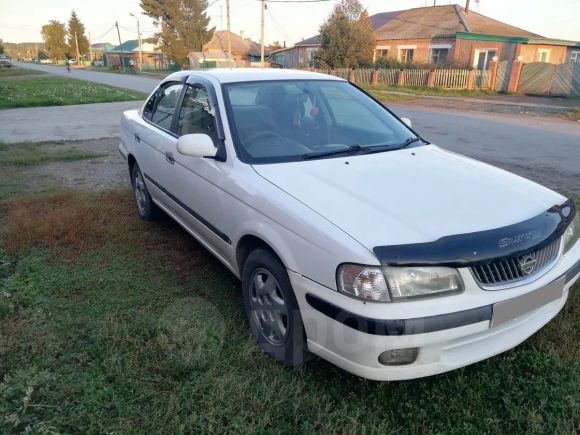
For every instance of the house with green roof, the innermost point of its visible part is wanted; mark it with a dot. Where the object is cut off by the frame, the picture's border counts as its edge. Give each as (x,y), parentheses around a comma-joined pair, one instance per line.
(129,53)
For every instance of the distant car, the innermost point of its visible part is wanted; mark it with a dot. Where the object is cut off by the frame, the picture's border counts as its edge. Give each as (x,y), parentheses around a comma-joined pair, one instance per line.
(355,238)
(5,60)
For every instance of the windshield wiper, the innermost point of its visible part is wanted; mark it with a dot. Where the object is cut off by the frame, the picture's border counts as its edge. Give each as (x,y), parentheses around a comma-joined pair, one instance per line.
(409,141)
(351,149)
(383,148)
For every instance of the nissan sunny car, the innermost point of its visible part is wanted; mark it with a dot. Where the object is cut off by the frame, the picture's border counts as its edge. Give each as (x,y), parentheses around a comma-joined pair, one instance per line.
(355,238)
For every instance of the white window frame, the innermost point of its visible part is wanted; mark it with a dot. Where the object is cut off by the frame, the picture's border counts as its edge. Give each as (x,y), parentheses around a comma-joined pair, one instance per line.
(439,47)
(575,54)
(481,50)
(405,47)
(548,52)
(380,47)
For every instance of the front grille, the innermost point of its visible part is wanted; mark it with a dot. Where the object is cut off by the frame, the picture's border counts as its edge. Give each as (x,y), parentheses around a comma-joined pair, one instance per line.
(511,270)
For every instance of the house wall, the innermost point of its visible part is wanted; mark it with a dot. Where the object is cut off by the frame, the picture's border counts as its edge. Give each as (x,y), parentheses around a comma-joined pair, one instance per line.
(114,59)
(305,54)
(467,49)
(530,53)
(422,47)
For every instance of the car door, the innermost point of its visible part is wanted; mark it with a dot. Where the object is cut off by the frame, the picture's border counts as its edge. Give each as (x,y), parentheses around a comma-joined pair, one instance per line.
(195,182)
(156,139)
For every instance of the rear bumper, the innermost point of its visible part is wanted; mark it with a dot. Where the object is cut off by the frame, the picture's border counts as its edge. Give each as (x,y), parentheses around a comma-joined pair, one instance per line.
(445,341)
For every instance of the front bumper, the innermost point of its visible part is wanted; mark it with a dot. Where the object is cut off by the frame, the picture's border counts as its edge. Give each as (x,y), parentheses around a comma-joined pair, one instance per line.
(349,337)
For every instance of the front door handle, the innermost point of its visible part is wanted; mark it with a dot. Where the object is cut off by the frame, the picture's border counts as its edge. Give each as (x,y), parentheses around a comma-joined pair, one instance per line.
(137,138)
(169,157)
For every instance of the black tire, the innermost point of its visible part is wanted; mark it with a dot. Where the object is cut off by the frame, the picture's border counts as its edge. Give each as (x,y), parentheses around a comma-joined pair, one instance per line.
(146,208)
(290,349)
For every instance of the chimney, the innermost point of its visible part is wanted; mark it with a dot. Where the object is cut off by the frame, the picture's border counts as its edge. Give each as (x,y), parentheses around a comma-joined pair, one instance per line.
(243,34)
(467,6)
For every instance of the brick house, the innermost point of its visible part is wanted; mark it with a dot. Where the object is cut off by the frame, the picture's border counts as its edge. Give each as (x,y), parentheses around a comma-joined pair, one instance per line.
(244,51)
(452,34)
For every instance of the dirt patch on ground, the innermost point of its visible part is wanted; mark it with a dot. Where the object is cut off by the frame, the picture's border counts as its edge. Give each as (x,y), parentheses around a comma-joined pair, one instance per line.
(94,174)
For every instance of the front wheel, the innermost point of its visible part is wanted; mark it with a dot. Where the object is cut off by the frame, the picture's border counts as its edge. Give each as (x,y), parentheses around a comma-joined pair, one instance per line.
(145,206)
(272,309)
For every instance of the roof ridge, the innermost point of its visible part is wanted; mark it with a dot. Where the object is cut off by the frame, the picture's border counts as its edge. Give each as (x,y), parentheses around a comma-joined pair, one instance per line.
(464,23)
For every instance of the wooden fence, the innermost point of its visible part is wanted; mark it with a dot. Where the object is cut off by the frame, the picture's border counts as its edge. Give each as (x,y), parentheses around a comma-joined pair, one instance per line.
(441,78)
(538,78)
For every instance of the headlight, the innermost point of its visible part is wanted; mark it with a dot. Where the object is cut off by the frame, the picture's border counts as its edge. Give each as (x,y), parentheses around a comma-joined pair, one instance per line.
(385,284)
(572,233)
(363,282)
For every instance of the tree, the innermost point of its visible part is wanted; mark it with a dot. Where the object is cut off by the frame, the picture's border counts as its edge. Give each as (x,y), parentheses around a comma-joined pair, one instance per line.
(347,37)
(54,34)
(1,47)
(183,26)
(275,46)
(75,26)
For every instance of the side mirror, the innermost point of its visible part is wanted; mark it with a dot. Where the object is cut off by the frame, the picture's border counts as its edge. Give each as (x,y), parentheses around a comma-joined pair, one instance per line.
(196,145)
(407,121)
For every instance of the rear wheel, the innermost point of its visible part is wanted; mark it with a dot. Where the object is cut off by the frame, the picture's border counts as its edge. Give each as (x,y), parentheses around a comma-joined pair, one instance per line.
(145,206)
(272,310)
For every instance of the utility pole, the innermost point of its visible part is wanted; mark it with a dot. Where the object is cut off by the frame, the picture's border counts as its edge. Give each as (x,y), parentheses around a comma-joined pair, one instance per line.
(140,43)
(90,48)
(262,34)
(120,45)
(77,44)
(229,34)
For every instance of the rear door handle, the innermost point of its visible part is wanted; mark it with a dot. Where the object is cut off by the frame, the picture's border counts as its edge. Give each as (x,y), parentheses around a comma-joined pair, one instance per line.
(137,138)
(169,157)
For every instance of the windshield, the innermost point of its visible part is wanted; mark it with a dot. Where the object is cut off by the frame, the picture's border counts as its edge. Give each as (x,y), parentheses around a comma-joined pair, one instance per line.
(292,120)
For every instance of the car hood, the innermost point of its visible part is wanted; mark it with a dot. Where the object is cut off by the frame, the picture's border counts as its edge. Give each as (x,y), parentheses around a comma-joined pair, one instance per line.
(411,195)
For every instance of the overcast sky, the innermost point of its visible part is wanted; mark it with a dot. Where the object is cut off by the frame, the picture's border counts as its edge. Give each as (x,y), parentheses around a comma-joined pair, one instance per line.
(21,20)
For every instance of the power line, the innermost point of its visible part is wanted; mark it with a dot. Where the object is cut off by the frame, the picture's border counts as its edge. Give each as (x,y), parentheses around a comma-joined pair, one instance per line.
(296,1)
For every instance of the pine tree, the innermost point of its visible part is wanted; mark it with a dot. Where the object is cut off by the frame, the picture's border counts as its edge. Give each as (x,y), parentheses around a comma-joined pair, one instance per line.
(184,26)
(347,37)
(54,34)
(76,26)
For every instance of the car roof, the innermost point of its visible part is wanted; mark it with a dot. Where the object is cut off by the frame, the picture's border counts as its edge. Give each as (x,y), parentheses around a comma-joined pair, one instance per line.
(232,75)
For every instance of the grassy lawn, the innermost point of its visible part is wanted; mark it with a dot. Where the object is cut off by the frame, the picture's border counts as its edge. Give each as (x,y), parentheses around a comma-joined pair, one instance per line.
(36,153)
(58,91)
(112,324)
(573,115)
(16,71)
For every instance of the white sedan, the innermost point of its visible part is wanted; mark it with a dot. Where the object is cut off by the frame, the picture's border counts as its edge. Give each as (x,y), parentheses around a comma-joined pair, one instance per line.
(355,239)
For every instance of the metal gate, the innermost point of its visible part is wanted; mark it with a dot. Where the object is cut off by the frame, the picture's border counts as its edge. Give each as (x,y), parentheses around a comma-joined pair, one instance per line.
(566,80)
(502,79)
(536,78)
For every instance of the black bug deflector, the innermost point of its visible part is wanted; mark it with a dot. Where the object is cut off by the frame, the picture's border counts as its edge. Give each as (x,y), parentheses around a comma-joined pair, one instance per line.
(464,250)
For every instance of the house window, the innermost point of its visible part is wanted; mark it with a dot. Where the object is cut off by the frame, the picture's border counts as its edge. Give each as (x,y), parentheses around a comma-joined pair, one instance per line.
(406,55)
(483,57)
(575,57)
(381,52)
(544,55)
(439,56)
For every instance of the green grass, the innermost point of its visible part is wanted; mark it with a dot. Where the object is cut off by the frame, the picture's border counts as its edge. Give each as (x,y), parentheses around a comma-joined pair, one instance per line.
(36,153)
(59,91)
(573,115)
(16,71)
(421,91)
(112,324)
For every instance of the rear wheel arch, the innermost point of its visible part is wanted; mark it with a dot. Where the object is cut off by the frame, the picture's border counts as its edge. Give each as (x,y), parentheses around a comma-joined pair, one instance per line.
(131,160)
